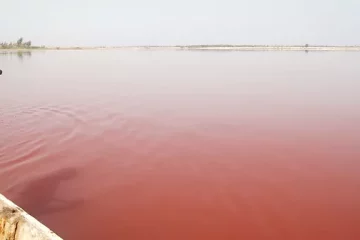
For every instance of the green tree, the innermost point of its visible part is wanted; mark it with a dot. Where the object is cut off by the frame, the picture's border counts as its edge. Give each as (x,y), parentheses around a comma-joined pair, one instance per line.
(27,44)
(20,41)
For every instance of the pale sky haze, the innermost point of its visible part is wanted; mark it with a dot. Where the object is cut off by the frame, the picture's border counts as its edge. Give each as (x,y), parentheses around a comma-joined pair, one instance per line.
(161,22)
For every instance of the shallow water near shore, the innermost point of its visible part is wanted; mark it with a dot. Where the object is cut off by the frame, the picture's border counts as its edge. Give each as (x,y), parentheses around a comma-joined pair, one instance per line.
(133,145)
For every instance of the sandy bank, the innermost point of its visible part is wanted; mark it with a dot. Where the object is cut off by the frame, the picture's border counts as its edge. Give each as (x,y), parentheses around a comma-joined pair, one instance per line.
(201,47)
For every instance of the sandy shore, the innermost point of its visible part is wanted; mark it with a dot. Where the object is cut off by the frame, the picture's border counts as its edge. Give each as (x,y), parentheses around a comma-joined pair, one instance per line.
(201,47)
(278,48)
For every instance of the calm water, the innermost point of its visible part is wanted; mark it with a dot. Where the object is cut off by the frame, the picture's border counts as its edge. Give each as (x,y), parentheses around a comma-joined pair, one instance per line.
(183,145)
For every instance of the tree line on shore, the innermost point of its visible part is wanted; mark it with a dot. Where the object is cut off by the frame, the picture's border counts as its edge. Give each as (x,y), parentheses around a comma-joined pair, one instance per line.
(20,43)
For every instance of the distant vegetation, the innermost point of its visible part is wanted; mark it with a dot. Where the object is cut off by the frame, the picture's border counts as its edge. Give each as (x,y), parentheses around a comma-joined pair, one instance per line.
(19,44)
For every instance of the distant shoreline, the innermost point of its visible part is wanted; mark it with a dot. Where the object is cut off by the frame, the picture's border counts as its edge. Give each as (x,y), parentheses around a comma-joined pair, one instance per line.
(200,47)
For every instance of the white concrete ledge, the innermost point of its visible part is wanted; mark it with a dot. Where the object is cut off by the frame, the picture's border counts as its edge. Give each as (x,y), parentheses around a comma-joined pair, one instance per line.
(16,224)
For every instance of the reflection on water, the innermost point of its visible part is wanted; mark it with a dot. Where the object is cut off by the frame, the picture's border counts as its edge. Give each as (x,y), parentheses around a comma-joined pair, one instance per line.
(21,55)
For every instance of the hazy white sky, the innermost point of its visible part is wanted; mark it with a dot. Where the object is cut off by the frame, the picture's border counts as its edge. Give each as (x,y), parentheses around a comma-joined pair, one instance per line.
(164,22)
